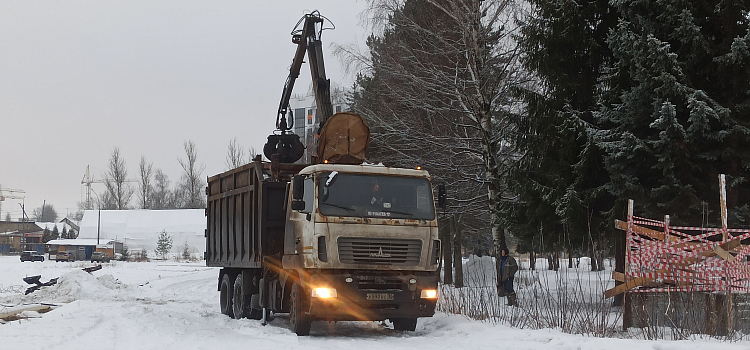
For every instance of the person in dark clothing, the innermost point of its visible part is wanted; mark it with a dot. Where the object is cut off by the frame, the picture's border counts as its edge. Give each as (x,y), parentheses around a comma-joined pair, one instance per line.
(508,269)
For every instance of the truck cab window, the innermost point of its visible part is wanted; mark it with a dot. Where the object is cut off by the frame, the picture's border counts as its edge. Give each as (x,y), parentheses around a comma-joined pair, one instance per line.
(379,196)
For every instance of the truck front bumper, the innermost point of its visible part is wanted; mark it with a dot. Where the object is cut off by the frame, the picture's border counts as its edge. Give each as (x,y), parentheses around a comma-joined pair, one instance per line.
(367,297)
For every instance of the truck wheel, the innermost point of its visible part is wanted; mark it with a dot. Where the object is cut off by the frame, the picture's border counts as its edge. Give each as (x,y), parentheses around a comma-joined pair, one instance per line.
(225,296)
(256,312)
(298,317)
(404,324)
(239,304)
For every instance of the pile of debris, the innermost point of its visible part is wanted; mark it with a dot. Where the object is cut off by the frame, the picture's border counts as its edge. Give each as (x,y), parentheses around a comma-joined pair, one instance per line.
(17,312)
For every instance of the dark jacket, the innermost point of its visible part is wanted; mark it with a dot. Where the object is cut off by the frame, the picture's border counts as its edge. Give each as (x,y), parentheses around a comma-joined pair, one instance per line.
(510,268)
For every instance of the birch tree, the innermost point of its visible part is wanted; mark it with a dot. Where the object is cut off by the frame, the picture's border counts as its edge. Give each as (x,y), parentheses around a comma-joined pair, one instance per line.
(436,91)
(118,192)
(162,196)
(192,184)
(145,184)
(235,155)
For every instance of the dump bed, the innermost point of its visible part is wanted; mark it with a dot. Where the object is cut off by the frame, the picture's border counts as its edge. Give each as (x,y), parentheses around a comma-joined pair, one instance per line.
(246,214)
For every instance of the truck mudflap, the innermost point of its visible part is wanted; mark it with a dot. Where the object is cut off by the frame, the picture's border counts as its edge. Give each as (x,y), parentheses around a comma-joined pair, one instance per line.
(364,297)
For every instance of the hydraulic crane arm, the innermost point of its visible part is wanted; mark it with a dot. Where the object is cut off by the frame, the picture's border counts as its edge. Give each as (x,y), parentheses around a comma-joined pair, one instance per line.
(308,40)
(286,145)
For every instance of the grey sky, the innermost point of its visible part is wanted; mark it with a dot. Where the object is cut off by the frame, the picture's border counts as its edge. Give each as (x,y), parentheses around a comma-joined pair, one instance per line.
(78,78)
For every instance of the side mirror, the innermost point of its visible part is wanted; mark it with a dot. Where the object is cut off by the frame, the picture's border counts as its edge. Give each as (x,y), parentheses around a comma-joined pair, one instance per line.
(298,204)
(298,189)
(442,197)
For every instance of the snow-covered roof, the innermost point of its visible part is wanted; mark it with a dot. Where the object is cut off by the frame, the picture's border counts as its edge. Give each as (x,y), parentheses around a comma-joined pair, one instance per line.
(68,242)
(51,225)
(140,229)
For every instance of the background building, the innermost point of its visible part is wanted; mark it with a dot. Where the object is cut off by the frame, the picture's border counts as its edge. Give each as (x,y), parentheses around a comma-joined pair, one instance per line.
(306,117)
(139,230)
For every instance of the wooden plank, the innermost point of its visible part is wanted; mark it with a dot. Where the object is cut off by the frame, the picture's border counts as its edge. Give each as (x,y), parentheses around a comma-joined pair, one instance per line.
(618,276)
(723,253)
(729,246)
(12,311)
(635,282)
(693,260)
(643,231)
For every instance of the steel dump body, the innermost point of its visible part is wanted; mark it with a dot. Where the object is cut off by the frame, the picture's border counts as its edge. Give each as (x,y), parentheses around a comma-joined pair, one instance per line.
(245,215)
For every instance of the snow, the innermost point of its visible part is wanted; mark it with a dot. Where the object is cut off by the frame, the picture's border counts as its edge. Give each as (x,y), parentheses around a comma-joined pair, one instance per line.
(140,229)
(174,305)
(51,226)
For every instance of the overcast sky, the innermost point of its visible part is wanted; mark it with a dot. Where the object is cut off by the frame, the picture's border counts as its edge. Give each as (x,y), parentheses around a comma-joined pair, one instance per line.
(79,78)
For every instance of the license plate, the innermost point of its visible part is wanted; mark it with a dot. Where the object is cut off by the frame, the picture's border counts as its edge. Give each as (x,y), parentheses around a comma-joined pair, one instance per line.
(379,296)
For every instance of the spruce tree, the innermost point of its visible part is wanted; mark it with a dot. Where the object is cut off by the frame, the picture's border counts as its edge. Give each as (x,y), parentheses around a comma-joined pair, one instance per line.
(164,244)
(46,235)
(684,117)
(559,176)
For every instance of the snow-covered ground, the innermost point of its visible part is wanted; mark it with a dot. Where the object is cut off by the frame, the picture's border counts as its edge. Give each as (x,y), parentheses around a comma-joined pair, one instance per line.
(171,305)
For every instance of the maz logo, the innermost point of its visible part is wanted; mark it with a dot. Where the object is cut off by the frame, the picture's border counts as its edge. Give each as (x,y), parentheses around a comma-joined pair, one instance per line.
(380,254)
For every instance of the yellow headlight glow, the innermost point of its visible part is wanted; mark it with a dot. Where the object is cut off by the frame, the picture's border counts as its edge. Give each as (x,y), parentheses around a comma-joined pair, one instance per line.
(428,294)
(324,293)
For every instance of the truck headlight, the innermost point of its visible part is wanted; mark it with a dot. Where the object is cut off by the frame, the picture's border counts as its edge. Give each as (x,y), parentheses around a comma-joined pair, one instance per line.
(428,294)
(324,293)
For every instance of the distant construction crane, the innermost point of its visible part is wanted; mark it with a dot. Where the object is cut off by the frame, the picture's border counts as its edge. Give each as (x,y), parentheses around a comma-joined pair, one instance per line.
(87,180)
(9,193)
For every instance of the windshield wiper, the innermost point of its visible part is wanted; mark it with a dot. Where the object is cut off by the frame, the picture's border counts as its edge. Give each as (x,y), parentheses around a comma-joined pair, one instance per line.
(399,212)
(338,206)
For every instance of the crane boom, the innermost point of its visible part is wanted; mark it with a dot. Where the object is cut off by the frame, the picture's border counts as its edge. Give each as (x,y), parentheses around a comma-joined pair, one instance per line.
(286,145)
(308,40)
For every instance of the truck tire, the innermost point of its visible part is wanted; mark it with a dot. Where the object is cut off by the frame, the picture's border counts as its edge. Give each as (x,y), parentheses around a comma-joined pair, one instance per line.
(239,304)
(225,296)
(299,305)
(404,324)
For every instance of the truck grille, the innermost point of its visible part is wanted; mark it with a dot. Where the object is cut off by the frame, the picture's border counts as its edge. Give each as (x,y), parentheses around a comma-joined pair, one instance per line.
(379,251)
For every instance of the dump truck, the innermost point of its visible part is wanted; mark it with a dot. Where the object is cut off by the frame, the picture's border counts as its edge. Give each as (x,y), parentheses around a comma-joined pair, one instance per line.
(336,240)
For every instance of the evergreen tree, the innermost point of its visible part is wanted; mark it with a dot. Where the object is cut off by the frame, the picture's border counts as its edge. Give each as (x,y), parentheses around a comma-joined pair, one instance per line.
(164,244)
(64,234)
(125,253)
(46,235)
(559,174)
(683,118)
(186,251)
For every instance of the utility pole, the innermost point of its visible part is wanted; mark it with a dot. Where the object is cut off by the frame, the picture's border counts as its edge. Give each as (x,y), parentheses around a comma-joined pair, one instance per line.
(10,195)
(98,227)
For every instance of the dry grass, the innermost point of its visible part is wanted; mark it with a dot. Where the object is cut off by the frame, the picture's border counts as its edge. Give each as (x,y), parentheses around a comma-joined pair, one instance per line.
(572,300)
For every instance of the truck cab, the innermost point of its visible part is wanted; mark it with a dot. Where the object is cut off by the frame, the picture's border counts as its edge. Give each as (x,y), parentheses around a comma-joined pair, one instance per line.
(363,239)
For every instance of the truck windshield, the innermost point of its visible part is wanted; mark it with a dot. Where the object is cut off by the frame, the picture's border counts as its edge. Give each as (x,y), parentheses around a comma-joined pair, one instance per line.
(392,197)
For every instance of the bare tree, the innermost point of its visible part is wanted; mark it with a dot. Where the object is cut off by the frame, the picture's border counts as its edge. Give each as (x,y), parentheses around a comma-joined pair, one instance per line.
(46,213)
(235,155)
(251,155)
(437,91)
(162,197)
(118,192)
(192,184)
(145,184)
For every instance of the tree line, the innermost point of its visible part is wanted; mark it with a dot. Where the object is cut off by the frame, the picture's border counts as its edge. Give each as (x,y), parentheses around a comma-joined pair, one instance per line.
(544,117)
(152,188)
